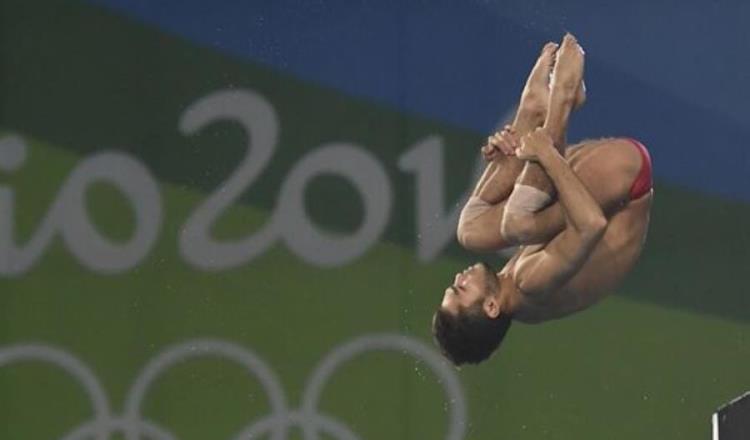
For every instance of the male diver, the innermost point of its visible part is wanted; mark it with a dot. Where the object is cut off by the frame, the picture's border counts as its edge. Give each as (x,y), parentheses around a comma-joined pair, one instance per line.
(580,214)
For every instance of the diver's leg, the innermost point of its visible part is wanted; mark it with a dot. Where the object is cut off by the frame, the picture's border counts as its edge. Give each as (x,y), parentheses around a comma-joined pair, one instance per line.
(498,178)
(565,92)
(479,224)
(534,190)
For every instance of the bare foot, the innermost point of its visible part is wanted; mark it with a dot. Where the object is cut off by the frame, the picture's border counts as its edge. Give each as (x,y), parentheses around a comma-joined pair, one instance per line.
(535,94)
(567,76)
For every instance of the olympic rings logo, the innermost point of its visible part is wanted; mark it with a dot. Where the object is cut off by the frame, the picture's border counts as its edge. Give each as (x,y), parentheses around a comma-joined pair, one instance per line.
(307,417)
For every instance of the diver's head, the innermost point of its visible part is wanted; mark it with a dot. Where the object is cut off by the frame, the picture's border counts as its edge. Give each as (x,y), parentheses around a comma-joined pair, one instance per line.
(469,324)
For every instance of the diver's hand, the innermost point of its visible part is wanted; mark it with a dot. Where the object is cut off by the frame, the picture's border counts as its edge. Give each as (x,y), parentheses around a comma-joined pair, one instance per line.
(503,142)
(534,144)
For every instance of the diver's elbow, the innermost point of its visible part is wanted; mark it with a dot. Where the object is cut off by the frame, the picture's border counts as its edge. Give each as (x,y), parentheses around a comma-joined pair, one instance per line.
(594,228)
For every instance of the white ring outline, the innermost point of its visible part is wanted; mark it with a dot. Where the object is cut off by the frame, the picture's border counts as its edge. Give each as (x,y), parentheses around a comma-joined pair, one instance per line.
(388,342)
(278,422)
(203,348)
(74,368)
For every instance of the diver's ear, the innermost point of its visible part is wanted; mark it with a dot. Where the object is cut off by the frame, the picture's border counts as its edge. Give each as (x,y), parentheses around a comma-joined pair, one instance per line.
(491,307)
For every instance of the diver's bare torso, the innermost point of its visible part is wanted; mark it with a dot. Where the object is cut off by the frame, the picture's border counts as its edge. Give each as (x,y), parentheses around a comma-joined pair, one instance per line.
(612,258)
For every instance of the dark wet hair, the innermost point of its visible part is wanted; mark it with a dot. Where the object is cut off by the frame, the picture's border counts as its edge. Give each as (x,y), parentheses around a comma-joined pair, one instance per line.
(470,336)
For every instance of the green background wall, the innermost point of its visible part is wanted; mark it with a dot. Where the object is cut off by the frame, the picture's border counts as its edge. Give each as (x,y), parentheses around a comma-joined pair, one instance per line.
(652,361)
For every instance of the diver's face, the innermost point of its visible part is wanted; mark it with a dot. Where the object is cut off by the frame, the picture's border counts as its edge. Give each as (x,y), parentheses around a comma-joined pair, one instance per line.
(468,287)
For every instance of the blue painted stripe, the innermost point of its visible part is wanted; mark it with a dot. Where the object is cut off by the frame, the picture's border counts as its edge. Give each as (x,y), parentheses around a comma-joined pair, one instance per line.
(463,63)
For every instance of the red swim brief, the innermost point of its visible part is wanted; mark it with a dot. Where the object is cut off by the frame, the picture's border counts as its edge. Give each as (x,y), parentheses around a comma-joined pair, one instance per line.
(644,181)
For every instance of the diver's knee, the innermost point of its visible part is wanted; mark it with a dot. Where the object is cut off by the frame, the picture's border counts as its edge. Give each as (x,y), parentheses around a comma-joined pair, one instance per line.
(517,229)
(464,235)
(466,239)
(517,226)
(472,239)
(475,207)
